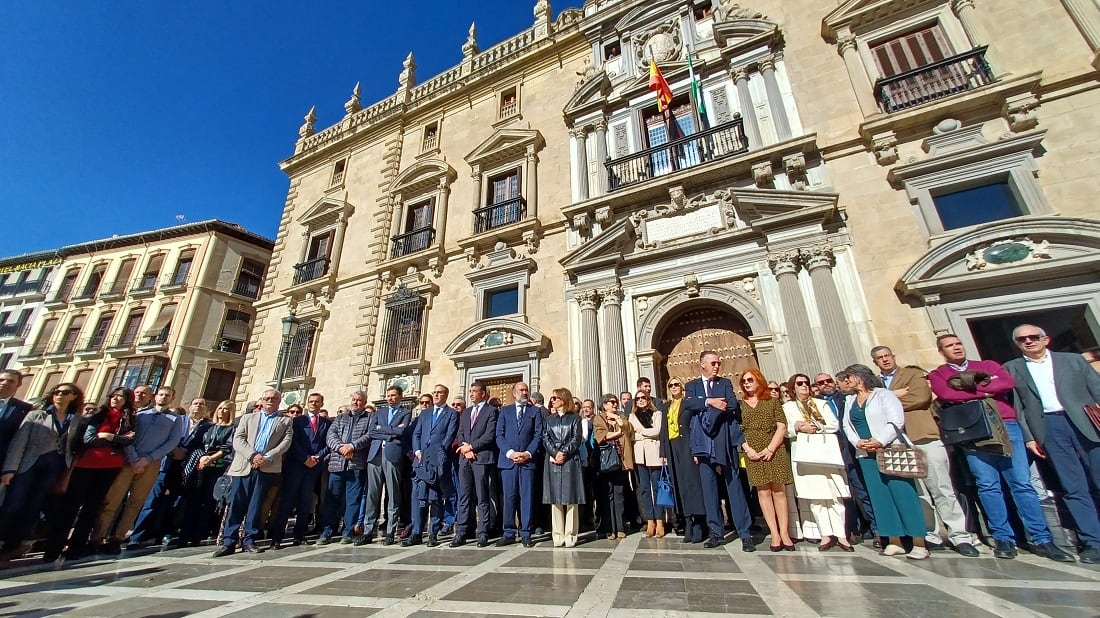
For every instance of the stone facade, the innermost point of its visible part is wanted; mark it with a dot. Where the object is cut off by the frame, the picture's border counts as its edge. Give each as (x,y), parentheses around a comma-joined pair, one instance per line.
(841,176)
(172,306)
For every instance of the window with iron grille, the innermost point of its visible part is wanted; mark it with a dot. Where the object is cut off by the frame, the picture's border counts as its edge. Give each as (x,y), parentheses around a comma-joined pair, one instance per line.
(301,351)
(405,309)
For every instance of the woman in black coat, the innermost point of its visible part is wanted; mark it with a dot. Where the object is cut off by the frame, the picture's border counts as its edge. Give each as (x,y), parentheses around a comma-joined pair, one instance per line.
(563,475)
(676,448)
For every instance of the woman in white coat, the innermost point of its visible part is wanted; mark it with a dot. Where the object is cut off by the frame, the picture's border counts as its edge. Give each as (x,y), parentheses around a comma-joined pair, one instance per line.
(821,485)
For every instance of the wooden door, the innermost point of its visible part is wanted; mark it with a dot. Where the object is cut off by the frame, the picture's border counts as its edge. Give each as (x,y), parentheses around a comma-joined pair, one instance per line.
(705,328)
(501,388)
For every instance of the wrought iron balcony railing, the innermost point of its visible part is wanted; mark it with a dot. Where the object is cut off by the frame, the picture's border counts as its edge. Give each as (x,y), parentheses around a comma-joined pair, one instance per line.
(696,149)
(499,215)
(959,73)
(416,240)
(311,270)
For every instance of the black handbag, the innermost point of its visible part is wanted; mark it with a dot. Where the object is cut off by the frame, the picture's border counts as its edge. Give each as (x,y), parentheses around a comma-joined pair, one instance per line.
(966,422)
(610,460)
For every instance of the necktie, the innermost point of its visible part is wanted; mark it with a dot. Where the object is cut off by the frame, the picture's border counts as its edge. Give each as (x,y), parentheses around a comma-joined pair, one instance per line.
(473,415)
(313,423)
(435,416)
(519,412)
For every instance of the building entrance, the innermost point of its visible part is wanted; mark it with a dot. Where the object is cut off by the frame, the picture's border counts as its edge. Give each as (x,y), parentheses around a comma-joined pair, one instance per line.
(688,334)
(501,388)
(1069,328)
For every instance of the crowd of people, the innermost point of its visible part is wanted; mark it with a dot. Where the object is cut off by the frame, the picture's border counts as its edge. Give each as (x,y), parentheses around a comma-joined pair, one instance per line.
(803,460)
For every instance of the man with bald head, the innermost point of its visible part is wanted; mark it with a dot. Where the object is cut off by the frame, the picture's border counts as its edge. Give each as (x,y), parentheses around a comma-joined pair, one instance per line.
(518,434)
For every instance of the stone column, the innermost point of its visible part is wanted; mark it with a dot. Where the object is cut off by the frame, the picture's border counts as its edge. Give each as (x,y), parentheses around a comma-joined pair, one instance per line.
(439,217)
(590,344)
(797,321)
(975,31)
(531,179)
(775,99)
(819,261)
(1086,16)
(748,112)
(611,340)
(601,158)
(579,167)
(857,75)
(338,242)
(475,175)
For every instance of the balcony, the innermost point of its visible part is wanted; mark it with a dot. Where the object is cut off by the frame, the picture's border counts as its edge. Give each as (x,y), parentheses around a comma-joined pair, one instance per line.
(959,73)
(121,343)
(15,331)
(87,295)
(175,284)
(145,285)
(310,271)
(114,291)
(61,348)
(91,345)
(700,148)
(417,240)
(499,215)
(61,297)
(40,286)
(154,340)
(248,287)
(229,346)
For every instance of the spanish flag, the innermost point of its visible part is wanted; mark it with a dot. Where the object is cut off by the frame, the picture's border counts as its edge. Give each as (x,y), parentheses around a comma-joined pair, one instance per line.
(658,84)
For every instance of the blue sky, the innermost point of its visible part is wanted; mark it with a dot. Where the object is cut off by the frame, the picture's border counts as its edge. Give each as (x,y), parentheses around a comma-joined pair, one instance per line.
(122,115)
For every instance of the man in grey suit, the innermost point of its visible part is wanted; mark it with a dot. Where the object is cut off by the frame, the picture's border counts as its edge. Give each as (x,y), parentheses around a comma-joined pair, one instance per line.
(385,464)
(259,443)
(1052,390)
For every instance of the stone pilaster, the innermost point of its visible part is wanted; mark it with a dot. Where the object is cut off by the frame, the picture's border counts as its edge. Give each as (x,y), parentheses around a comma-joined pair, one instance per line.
(600,127)
(589,301)
(612,345)
(1086,16)
(819,262)
(785,265)
(740,77)
(857,75)
(775,98)
(579,167)
(975,31)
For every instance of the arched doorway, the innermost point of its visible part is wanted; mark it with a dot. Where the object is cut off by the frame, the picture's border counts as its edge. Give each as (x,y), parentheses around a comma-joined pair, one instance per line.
(708,327)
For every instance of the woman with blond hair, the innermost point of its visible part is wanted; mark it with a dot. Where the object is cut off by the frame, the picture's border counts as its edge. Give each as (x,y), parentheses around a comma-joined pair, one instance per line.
(647,422)
(562,472)
(203,467)
(769,464)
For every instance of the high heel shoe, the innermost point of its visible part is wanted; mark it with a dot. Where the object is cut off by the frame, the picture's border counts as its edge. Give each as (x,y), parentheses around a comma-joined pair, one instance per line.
(847,548)
(788,547)
(775,547)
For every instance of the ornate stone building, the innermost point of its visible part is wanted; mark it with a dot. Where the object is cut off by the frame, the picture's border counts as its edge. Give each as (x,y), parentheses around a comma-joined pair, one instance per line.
(828,176)
(170,306)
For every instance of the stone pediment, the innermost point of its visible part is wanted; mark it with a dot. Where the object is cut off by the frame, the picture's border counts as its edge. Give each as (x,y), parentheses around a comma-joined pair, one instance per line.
(615,242)
(1022,250)
(648,13)
(424,174)
(853,14)
(504,143)
(325,210)
(496,338)
(591,95)
(743,35)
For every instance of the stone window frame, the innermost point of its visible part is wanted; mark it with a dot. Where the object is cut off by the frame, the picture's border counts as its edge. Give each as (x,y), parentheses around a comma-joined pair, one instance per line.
(503,115)
(426,148)
(339,173)
(1010,160)
(511,272)
(939,15)
(327,215)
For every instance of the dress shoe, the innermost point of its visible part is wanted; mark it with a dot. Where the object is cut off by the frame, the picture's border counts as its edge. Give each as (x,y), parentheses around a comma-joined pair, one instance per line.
(252,549)
(276,545)
(505,541)
(413,539)
(747,545)
(1005,549)
(877,544)
(445,530)
(110,548)
(620,534)
(847,548)
(365,539)
(775,548)
(388,540)
(433,541)
(918,553)
(892,550)
(968,550)
(527,542)
(1053,552)
(788,547)
(611,536)
(934,546)
(482,540)
(827,545)
(456,542)
(1090,555)
(223,550)
(712,542)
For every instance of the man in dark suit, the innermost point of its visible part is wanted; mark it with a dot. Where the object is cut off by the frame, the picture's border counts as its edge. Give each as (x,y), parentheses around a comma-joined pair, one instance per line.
(716,436)
(259,444)
(477,431)
(12,410)
(302,470)
(518,435)
(1052,390)
(435,430)
(385,463)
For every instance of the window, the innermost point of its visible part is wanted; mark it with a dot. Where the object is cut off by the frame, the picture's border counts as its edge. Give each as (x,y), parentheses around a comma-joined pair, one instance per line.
(138,370)
(68,341)
(405,309)
(911,51)
(44,336)
(418,230)
(219,385)
(83,379)
(301,351)
(509,103)
(5,361)
(65,290)
(612,50)
(501,302)
(703,10)
(659,131)
(981,204)
(148,280)
(234,335)
(133,324)
(183,268)
(158,332)
(52,380)
(506,204)
(122,280)
(91,288)
(99,335)
(338,173)
(17,327)
(431,137)
(250,279)
(317,258)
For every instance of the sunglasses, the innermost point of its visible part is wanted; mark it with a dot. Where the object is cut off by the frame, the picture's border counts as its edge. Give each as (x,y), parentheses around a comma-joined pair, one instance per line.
(1026,338)
(802,383)
(824,382)
(614,402)
(748,380)
(553,397)
(641,399)
(64,391)
(676,384)
(773,388)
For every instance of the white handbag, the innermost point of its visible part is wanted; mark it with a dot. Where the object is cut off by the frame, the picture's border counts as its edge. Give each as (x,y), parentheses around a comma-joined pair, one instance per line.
(821,449)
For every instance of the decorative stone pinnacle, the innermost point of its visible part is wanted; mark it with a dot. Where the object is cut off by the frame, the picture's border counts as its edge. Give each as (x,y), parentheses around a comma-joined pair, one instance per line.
(470,48)
(310,119)
(407,79)
(353,105)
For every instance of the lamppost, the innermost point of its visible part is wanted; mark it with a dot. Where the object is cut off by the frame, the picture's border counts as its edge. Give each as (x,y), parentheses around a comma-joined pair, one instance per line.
(290,328)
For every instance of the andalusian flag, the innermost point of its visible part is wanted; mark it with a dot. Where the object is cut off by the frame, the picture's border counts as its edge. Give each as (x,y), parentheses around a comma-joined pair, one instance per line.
(658,84)
(697,93)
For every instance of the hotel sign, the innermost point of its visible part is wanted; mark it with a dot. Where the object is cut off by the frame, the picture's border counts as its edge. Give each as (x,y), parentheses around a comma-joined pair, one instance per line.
(18,267)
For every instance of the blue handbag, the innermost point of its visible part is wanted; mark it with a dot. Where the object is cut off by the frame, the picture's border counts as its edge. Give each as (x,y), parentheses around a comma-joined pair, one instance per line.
(665,496)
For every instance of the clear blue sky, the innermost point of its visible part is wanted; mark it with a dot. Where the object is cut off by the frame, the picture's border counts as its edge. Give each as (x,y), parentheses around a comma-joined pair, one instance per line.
(121,115)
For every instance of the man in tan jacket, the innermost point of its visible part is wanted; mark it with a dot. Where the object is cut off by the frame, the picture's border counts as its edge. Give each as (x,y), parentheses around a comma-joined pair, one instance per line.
(261,440)
(910,384)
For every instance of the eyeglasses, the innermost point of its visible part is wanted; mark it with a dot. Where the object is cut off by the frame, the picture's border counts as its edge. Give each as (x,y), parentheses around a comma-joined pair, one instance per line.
(802,383)
(614,402)
(641,399)
(748,380)
(89,408)
(773,388)
(824,382)
(64,391)
(553,397)
(677,384)
(1027,338)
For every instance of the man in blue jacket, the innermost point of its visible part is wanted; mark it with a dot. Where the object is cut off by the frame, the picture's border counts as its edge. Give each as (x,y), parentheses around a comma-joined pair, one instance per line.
(385,464)
(518,435)
(436,429)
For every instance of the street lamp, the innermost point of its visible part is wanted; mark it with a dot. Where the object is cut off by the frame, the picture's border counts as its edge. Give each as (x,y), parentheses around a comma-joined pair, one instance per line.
(290,328)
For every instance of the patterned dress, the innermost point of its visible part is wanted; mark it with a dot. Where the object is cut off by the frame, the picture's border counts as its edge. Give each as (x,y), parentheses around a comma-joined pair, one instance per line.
(759,426)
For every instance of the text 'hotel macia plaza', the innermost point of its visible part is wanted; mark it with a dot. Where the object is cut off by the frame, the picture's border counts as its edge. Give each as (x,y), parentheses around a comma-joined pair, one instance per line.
(850,173)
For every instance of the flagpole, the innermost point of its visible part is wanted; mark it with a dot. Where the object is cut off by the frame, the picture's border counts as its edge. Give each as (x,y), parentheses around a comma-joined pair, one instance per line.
(697,94)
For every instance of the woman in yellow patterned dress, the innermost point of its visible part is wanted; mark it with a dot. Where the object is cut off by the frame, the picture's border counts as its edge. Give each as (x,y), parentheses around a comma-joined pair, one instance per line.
(769,463)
